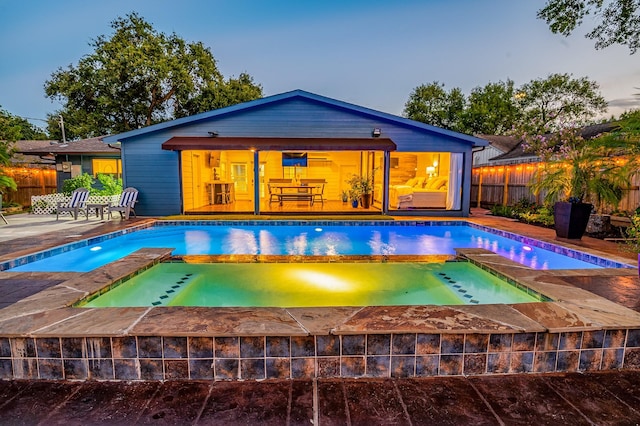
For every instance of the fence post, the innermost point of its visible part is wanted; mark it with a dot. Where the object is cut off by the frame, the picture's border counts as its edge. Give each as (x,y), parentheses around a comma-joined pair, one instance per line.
(479,187)
(505,190)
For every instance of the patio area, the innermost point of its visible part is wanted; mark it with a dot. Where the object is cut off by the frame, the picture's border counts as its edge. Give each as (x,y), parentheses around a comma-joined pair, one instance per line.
(601,398)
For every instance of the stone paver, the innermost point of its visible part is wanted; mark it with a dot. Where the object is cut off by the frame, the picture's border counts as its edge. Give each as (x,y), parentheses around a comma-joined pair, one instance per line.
(605,398)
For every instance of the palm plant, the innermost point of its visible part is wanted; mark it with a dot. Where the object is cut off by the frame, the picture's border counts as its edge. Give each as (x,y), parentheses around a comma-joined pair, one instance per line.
(576,169)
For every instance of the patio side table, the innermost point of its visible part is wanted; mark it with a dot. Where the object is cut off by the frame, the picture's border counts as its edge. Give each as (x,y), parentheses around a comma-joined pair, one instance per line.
(98,207)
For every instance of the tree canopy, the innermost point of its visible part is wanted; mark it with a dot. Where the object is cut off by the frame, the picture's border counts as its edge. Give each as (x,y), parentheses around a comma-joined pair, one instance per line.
(560,98)
(617,21)
(498,107)
(14,128)
(492,109)
(432,104)
(138,77)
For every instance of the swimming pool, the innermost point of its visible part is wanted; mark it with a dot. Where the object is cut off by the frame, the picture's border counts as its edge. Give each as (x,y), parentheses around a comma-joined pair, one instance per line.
(386,238)
(311,285)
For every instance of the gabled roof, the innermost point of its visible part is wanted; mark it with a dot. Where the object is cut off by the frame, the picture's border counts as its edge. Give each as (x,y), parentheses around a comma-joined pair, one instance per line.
(295,94)
(501,142)
(517,153)
(83,146)
(19,158)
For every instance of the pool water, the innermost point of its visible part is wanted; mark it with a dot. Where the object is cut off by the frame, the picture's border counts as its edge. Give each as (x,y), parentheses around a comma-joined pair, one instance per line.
(302,240)
(311,284)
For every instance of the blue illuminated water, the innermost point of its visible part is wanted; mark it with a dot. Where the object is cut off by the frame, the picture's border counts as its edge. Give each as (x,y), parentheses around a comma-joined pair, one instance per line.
(304,240)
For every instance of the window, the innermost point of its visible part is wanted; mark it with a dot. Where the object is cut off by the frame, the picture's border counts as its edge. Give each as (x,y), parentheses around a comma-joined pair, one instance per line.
(107,166)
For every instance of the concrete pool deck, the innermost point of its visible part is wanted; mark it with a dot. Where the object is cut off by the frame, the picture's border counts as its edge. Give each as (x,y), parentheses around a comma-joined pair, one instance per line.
(621,287)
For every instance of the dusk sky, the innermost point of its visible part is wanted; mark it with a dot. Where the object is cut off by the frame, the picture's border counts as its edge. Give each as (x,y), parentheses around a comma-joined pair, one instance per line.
(371,53)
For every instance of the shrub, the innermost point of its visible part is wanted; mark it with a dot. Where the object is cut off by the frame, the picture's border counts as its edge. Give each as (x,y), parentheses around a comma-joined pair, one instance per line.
(540,216)
(504,211)
(632,234)
(81,181)
(110,186)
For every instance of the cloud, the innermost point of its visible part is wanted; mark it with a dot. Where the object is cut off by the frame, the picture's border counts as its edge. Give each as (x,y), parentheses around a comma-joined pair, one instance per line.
(626,103)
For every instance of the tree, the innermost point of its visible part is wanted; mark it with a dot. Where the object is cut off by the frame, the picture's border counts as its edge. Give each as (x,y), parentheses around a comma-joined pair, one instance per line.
(136,78)
(491,110)
(222,94)
(559,97)
(14,128)
(432,104)
(619,21)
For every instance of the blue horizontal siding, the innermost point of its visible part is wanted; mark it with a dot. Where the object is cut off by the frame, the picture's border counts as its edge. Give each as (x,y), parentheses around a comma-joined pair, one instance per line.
(304,118)
(156,175)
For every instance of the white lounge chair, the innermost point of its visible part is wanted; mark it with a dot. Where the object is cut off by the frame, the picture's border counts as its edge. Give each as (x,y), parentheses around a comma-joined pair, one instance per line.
(1,211)
(125,205)
(77,204)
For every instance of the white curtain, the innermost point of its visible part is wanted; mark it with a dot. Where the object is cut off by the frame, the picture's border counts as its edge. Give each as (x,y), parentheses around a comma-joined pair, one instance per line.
(454,195)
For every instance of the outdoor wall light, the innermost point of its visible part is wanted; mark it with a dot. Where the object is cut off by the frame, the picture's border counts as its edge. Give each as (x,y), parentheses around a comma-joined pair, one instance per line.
(431,171)
(213,134)
(376,132)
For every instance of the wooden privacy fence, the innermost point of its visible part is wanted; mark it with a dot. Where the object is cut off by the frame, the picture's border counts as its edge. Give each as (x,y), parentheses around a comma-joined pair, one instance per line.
(31,181)
(508,184)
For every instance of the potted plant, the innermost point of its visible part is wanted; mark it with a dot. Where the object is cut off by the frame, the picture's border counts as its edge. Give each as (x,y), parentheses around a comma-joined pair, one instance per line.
(579,175)
(345,195)
(354,196)
(571,218)
(363,186)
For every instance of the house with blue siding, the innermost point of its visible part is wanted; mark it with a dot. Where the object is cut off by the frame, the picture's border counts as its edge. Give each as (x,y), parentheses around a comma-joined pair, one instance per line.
(297,152)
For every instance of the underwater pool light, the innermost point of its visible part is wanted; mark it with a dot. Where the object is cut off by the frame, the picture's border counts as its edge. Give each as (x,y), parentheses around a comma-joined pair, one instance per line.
(318,229)
(526,248)
(96,248)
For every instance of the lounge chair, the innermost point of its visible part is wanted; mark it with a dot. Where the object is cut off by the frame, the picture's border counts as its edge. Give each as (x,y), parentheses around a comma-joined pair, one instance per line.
(125,206)
(2,215)
(77,204)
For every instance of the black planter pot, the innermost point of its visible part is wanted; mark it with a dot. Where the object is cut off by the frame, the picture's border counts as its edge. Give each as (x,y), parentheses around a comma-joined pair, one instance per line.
(571,219)
(365,200)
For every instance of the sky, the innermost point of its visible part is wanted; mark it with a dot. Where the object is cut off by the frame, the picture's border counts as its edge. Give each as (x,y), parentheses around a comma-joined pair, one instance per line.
(371,53)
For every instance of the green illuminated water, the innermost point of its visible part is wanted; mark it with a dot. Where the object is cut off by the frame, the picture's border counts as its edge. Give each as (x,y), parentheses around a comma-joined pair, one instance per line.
(311,284)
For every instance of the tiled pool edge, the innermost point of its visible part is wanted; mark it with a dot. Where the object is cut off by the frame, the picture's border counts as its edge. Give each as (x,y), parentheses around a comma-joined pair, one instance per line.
(415,341)
(395,355)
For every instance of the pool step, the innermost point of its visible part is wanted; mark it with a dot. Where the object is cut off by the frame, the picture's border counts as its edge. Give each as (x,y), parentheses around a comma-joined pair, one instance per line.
(454,286)
(172,287)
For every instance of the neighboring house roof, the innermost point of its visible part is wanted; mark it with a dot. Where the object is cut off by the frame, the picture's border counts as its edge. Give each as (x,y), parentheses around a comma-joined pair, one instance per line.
(21,159)
(501,142)
(517,153)
(301,94)
(83,146)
